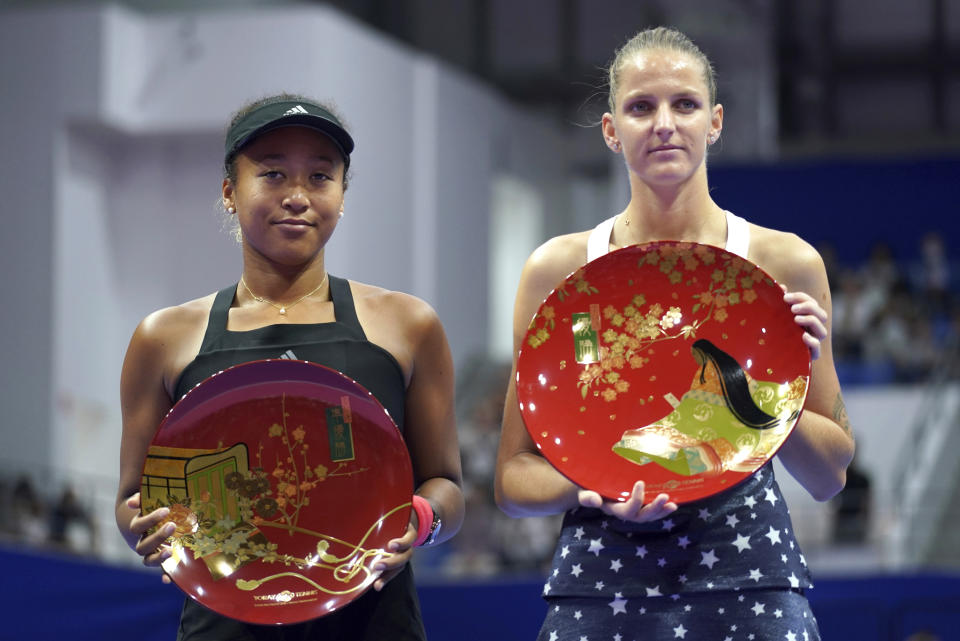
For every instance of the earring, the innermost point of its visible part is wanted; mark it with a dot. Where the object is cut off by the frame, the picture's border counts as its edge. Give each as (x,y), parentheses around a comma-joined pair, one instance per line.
(713,138)
(616,145)
(231,210)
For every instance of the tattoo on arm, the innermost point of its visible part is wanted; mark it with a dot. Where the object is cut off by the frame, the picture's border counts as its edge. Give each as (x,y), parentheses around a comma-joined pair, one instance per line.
(840,415)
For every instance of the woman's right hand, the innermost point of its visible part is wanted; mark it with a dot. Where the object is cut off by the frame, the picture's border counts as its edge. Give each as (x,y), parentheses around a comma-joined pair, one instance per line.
(151,546)
(633,508)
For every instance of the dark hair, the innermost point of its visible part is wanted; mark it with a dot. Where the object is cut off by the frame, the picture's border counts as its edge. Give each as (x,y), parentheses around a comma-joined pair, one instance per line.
(658,38)
(733,382)
(229,161)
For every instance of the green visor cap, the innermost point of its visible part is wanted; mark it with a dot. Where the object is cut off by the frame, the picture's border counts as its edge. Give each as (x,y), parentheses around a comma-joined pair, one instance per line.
(287,113)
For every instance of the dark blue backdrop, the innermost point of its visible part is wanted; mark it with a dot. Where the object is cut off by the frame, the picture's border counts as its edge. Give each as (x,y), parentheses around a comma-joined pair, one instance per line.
(849,203)
(47,597)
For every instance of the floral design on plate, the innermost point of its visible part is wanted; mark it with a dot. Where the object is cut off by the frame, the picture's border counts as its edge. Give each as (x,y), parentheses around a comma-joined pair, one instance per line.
(604,374)
(285,480)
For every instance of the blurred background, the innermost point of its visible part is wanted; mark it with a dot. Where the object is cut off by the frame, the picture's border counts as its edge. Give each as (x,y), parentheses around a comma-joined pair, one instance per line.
(475,123)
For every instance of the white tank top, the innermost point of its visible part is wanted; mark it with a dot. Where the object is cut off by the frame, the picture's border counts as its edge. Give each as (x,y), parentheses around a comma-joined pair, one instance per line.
(738,237)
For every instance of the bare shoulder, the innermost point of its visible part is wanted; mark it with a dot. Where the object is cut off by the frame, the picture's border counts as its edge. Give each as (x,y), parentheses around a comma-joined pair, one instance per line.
(387,300)
(170,323)
(553,261)
(787,257)
(400,323)
(561,253)
(379,308)
(167,340)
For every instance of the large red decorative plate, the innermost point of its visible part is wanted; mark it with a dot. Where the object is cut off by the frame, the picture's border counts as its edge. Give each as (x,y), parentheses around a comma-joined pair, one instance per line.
(678,364)
(286,480)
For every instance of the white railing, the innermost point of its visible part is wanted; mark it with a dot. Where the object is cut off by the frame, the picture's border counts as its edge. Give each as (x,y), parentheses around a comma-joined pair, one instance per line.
(927,473)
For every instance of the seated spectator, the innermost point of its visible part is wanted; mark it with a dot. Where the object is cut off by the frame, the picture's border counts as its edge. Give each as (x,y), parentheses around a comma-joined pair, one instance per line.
(71,527)
(854,307)
(901,336)
(27,511)
(881,273)
(851,508)
(934,277)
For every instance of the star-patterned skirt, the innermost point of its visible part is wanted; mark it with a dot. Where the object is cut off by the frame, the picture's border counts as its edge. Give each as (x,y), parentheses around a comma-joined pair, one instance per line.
(746,615)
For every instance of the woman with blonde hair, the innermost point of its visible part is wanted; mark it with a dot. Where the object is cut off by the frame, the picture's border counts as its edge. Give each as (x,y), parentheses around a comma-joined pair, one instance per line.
(722,567)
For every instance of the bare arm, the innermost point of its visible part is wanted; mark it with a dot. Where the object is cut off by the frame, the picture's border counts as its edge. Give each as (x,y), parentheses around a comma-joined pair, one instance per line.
(526,483)
(430,433)
(144,402)
(821,445)
(431,428)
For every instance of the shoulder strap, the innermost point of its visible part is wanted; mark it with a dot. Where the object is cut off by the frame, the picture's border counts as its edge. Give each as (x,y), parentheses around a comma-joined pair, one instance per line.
(738,235)
(343,308)
(598,243)
(217,321)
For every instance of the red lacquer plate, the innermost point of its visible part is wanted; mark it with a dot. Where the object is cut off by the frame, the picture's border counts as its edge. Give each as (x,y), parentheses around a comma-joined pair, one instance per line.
(286,480)
(678,364)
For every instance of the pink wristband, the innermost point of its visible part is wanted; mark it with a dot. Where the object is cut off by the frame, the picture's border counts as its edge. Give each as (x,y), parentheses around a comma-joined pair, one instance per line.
(424,518)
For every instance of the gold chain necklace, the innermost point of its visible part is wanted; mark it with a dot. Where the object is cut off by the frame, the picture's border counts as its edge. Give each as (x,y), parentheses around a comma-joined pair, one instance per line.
(283,308)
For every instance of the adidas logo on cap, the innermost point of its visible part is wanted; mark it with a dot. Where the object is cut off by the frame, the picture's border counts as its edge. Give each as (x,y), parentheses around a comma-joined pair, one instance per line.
(295,110)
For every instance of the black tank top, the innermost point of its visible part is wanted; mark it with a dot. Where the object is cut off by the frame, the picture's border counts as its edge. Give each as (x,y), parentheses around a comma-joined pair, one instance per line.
(394,612)
(341,345)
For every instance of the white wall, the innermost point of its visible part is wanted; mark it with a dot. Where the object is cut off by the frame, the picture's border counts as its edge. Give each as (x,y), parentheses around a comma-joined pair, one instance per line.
(116,154)
(517,214)
(34,75)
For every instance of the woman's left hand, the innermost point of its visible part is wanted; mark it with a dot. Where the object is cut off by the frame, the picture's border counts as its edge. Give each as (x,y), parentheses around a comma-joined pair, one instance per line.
(401,551)
(809,315)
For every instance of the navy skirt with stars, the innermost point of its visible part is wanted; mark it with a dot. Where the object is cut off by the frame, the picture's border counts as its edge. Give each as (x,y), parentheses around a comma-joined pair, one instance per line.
(748,615)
